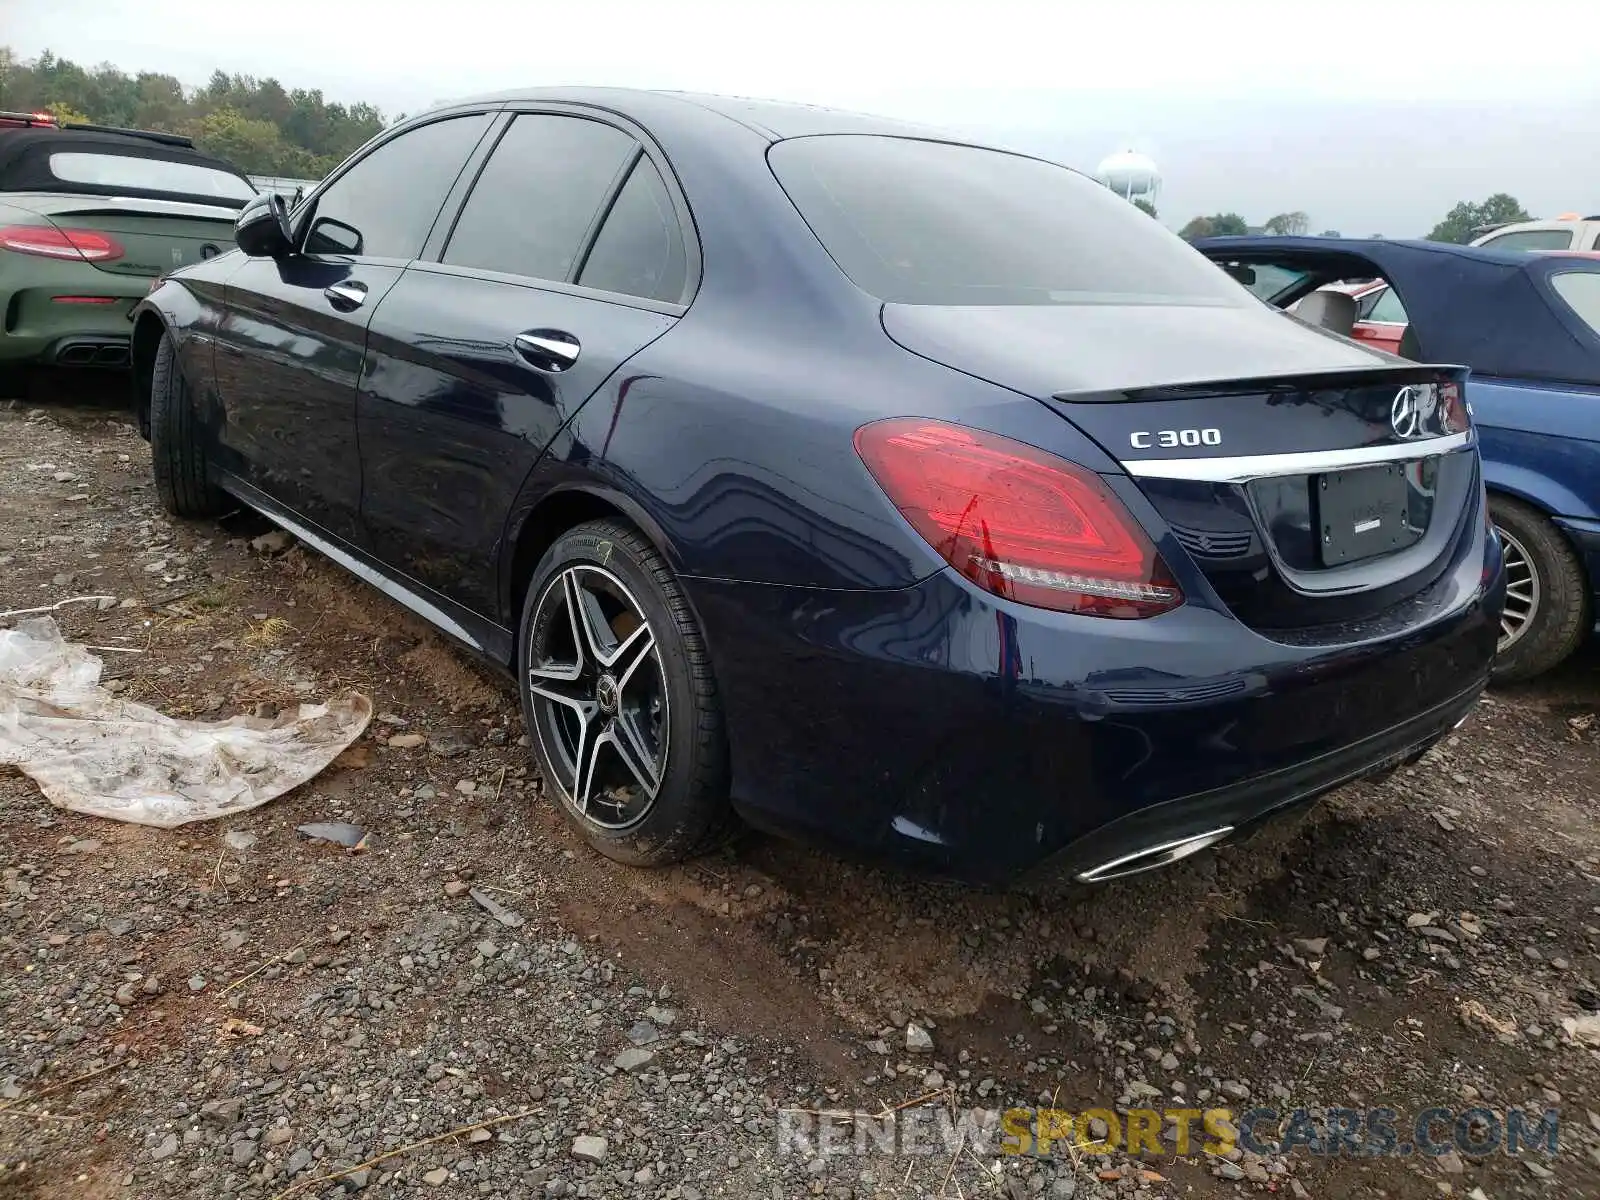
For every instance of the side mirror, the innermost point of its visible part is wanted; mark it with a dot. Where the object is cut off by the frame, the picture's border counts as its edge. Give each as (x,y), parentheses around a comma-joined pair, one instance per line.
(1241,273)
(262,230)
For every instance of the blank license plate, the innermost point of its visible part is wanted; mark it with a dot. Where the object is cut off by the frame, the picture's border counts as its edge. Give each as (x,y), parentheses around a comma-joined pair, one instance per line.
(1362,513)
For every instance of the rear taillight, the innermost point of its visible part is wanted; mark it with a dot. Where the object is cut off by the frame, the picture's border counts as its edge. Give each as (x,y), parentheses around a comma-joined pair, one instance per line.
(47,241)
(1018,522)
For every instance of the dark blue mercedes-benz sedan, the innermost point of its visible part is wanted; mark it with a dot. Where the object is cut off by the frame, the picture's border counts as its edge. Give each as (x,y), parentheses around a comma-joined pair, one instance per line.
(914,496)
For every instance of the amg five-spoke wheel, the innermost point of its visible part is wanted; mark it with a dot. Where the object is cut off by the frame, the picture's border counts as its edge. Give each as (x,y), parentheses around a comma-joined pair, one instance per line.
(600,702)
(619,698)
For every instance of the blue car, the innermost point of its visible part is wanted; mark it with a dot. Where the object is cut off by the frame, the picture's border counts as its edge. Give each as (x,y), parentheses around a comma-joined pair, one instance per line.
(1528,328)
(916,497)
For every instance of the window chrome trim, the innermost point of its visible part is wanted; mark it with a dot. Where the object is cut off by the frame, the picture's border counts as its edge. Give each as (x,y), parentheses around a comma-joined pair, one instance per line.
(1258,466)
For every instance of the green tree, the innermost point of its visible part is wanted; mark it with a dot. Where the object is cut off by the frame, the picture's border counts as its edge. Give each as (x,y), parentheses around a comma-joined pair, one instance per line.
(1145,206)
(1464,222)
(1228,224)
(254,146)
(259,125)
(1288,224)
(8,70)
(67,115)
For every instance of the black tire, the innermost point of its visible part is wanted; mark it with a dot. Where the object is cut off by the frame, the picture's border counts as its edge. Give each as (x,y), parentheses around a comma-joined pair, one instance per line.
(689,810)
(1557,613)
(177,448)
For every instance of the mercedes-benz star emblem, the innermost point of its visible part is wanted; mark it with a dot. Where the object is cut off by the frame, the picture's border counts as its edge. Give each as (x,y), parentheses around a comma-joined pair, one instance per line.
(1405,414)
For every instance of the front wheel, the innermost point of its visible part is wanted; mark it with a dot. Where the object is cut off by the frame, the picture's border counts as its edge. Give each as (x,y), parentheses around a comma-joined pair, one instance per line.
(177,447)
(1547,597)
(619,698)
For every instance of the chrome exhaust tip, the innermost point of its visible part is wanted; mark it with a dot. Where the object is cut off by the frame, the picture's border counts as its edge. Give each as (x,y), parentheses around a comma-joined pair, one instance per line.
(1152,857)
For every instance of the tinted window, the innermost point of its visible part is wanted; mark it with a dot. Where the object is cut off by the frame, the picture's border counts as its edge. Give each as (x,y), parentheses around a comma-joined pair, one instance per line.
(929,223)
(385,204)
(1581,291)
(1388,308)
(538,196)
(148,175)
(639,250)
(1532,239)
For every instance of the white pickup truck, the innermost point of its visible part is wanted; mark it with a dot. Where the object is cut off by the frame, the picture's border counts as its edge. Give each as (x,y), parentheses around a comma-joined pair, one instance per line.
(1569,232)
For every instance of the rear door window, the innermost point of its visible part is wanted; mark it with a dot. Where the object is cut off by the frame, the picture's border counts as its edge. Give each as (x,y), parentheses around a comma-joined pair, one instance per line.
(384,205)
(924,222)
(1581,291)
(534,204)
(639,250)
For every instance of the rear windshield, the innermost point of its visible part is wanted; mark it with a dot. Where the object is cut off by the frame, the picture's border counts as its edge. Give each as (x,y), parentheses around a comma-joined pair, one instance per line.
(147,175)
(919,222)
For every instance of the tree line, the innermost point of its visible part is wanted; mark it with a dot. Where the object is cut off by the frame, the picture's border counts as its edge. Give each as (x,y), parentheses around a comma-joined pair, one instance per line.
(1460,225)
(263,128)
(258,125)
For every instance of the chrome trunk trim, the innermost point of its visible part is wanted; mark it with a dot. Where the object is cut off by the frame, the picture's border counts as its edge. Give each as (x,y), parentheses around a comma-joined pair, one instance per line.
(1241,469)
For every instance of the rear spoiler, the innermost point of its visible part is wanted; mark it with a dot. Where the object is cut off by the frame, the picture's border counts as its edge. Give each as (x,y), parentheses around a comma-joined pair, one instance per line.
(166,139)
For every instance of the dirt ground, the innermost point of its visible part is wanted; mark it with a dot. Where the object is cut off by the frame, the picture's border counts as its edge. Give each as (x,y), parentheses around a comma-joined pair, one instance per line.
(1430,940)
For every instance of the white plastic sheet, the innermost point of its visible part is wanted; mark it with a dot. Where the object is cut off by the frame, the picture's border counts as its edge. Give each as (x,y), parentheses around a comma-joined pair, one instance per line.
(94,753)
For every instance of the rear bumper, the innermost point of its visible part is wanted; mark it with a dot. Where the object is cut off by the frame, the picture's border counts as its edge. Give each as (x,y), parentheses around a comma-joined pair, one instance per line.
(947,730)
(1137,841)
(36,326)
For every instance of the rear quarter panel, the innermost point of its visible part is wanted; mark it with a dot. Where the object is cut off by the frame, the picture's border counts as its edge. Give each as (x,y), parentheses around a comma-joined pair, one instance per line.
(733,435)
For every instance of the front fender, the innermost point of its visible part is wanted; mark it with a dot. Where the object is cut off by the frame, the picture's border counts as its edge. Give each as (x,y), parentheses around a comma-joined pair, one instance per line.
(170,308)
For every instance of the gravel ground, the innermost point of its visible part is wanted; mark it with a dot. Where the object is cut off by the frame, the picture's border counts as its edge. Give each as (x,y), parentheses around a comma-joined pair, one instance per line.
(235,1010)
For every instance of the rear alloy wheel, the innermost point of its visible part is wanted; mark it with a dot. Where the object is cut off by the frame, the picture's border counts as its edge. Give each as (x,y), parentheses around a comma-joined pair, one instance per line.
(619,700)
(1547,605)
(177,447)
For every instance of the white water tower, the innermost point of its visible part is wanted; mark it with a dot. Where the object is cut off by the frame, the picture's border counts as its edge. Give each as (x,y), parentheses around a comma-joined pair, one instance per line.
(1131,175)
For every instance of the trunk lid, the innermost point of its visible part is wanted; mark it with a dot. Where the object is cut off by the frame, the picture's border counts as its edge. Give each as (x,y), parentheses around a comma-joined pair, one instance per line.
(156,236)
(1317,485)
(1092,351)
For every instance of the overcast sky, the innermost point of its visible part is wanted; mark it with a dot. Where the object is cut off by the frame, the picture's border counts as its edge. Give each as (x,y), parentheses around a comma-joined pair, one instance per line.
(1372,118)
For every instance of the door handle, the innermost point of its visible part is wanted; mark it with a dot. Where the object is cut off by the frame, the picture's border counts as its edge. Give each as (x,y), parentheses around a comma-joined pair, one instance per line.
(548,349)
(346,296)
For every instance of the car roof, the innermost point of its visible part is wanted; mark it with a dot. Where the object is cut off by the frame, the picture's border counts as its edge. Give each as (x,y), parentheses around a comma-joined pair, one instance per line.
(773,119)
(1495,311)
(1371,249)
